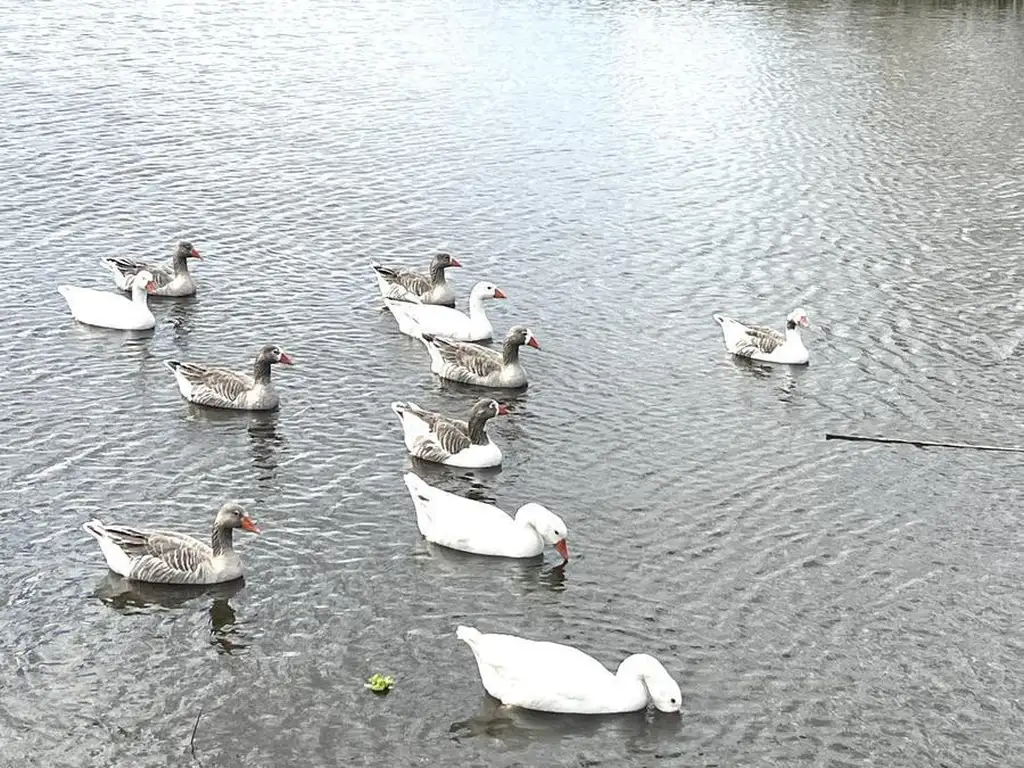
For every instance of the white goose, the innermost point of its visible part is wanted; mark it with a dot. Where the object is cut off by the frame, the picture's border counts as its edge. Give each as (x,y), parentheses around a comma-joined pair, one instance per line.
(172,279)
(551,677)
(111,310)
(165,557)
(766,344)
(220,388)
(473,364)
(433,437)
(416,319)
(407,285)
(483,529)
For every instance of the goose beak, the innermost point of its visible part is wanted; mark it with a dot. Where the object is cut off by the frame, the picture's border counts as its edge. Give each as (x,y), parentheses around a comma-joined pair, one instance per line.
(250,525)
(286,359)
(195,254)
(454,263)
(499,294)
(151,287)
(804,321)
(533,342)
(502,409)
(562,548)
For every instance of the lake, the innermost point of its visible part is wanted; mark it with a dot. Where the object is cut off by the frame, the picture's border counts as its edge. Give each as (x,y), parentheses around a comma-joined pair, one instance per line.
(621,170)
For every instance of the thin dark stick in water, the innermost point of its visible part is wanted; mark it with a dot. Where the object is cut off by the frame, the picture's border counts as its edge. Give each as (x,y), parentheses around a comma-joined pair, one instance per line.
(924,443)
(192,741)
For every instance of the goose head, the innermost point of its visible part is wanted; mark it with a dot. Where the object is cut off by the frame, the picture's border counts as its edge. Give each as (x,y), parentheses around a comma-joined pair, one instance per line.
(186,251)
(663,690)
(443,261)
(234,515)
(271,353)
(548,525)
(487,409)
(484,290)
(797,318)
(144,279)
(521,335)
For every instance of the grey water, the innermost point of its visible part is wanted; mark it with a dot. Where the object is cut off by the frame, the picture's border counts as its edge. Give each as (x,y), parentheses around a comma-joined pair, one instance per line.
(621,170)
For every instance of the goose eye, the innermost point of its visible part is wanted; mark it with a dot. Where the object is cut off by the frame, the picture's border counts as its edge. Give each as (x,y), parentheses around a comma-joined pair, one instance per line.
(672,701)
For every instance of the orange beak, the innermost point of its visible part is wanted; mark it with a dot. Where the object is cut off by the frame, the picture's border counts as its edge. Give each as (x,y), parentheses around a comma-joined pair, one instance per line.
(195,254)
(286,359)
(533,342)
(498,293)
(250,525)
(563,549)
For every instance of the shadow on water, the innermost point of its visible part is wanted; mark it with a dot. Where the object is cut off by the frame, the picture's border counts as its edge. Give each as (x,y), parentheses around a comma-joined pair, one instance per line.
(108,336)
(510,397)
(452,479)
(265,441)
(534,573)
(516,727)
(180,315)
(135,597)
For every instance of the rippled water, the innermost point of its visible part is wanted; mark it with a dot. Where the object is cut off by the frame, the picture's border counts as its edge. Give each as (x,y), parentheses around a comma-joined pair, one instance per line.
(621,170)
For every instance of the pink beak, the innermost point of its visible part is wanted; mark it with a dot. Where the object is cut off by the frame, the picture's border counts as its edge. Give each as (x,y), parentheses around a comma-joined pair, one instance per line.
(151,287)
(195,254)
(250,525)
(502,409)
(563,549)
(286,359)
(498,293)
(533,342)
(454,263)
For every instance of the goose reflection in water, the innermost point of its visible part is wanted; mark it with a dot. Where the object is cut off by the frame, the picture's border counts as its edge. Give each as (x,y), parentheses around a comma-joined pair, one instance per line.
(138,597)
(516,728)
(180,314)
(265,441)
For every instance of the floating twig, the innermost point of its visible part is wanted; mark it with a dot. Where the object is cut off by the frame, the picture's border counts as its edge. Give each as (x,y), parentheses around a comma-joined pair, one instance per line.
(924,443)
(192,741)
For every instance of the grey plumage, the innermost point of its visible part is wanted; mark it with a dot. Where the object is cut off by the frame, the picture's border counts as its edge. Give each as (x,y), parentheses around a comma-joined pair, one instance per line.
(442,437)
(760,339)
(126,269)
(429,288)
(166,557)
(221,388)
(475,364)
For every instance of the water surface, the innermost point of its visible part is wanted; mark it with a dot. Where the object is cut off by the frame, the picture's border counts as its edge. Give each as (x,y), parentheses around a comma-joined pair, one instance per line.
(621,170)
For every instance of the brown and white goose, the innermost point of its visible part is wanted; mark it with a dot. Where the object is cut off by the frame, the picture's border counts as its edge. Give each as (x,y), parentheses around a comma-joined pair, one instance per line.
(409,285)
(172,279)
(474,364)
(444,440)
(221,388)
(165,557)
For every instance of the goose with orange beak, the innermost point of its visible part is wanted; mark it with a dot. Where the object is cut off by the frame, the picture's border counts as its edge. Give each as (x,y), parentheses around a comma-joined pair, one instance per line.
(104,309)
(431,436)
(484,367)
(416,319)
(484,529)
(409,285)
(166,557)
(171,279)
(221,388)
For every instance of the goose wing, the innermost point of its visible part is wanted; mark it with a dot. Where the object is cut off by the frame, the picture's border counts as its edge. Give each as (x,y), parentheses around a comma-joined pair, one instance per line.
(761,339)
(447,437)
(161,556)
(211,386)
(465,362)
(415,283)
